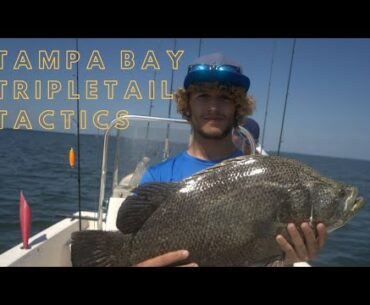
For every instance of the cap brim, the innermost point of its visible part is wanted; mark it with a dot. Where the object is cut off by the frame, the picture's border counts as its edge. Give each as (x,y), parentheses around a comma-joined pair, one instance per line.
(224,77)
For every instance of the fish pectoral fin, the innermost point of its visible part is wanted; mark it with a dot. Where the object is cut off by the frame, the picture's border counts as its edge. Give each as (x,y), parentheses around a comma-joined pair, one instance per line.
(137,208)
(98,248)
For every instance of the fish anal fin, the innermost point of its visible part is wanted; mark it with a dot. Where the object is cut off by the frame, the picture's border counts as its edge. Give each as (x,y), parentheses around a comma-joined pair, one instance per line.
(99,249)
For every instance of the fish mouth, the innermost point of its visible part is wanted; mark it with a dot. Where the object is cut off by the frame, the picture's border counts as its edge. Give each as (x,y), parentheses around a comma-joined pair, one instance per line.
(351,206)
(358,203)
(354,202)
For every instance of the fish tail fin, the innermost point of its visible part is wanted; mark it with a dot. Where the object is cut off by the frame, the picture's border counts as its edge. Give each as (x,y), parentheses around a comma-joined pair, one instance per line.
(100,249)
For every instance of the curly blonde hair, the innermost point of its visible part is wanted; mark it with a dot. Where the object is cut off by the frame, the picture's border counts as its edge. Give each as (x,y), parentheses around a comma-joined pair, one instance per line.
(245,104)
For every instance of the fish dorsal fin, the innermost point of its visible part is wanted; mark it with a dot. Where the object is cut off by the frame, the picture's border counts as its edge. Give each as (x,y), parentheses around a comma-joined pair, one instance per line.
(137,208)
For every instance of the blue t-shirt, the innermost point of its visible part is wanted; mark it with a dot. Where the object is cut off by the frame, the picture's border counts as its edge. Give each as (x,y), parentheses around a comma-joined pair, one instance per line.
(179,167)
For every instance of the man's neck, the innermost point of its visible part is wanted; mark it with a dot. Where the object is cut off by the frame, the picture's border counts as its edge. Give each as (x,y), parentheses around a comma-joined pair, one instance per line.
(211,149)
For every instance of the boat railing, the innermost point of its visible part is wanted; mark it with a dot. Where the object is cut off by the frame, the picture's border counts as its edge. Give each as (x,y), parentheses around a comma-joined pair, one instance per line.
(122,120)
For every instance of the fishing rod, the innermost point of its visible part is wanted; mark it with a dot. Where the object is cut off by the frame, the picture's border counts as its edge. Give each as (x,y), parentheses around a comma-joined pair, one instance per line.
(166,151)
(151,105)
(78,146)
(268,93)
(150,109)
(286,97)
(191,130)
(200,46)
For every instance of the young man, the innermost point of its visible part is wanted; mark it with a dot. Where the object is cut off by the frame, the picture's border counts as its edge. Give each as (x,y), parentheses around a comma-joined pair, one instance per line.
(214,100)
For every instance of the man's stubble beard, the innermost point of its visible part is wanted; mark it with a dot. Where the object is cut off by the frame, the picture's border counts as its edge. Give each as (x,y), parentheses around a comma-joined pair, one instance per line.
(211,136)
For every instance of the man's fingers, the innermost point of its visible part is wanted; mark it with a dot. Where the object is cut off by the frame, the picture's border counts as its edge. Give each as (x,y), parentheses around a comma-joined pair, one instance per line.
(322,234)
(165,259)
(311,241)
(298,243)
(190,265)
(290,254)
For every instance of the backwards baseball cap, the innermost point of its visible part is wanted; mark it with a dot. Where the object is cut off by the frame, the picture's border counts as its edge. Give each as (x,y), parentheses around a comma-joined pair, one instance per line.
(216,67)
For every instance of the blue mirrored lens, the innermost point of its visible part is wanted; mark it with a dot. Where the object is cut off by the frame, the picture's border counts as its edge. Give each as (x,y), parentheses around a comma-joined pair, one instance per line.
(228,68)
(204,67)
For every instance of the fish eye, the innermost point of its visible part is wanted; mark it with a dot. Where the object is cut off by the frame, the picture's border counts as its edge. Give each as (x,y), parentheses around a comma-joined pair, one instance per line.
(342,192)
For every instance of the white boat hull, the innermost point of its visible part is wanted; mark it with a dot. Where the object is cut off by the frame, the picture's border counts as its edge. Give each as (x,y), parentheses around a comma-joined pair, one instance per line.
(50,247)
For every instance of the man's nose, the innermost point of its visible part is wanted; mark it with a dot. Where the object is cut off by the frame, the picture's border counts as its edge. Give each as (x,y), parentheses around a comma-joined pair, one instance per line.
(214,103)
(213,107)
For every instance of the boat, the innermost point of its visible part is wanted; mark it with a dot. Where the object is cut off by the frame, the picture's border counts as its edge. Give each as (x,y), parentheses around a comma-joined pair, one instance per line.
(52,246)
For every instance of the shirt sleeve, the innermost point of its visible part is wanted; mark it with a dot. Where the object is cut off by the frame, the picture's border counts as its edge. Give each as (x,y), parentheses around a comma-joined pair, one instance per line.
(147,178)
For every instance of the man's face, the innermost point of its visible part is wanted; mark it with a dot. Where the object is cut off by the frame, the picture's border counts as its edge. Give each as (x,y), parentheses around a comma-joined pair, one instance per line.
(212,112)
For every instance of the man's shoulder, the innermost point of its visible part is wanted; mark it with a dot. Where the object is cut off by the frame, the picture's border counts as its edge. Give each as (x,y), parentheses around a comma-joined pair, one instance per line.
(165,171)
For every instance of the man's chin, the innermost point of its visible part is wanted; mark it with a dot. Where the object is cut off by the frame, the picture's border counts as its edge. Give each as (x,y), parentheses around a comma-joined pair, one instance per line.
(214,134)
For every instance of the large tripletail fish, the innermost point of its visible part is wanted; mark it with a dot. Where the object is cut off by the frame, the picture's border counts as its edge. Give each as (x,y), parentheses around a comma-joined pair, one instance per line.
(226,215)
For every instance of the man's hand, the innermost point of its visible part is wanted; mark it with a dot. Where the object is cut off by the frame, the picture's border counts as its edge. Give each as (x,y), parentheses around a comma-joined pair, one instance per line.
(301,249)
(167,259)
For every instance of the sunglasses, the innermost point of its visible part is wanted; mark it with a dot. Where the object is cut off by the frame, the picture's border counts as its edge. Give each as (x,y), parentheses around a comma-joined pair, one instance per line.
(206,67)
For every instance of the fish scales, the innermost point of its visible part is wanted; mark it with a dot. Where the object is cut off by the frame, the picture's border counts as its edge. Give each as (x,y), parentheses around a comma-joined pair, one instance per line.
(226,215)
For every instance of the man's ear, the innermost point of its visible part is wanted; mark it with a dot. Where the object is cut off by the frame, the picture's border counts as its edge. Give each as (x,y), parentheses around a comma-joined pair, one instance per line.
(188,112)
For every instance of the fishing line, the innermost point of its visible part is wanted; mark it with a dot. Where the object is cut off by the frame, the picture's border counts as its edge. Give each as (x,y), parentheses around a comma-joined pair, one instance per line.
(286,97)
(78,146)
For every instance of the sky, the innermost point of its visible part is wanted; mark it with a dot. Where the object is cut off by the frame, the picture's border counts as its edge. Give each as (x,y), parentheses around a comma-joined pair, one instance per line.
(328,103)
